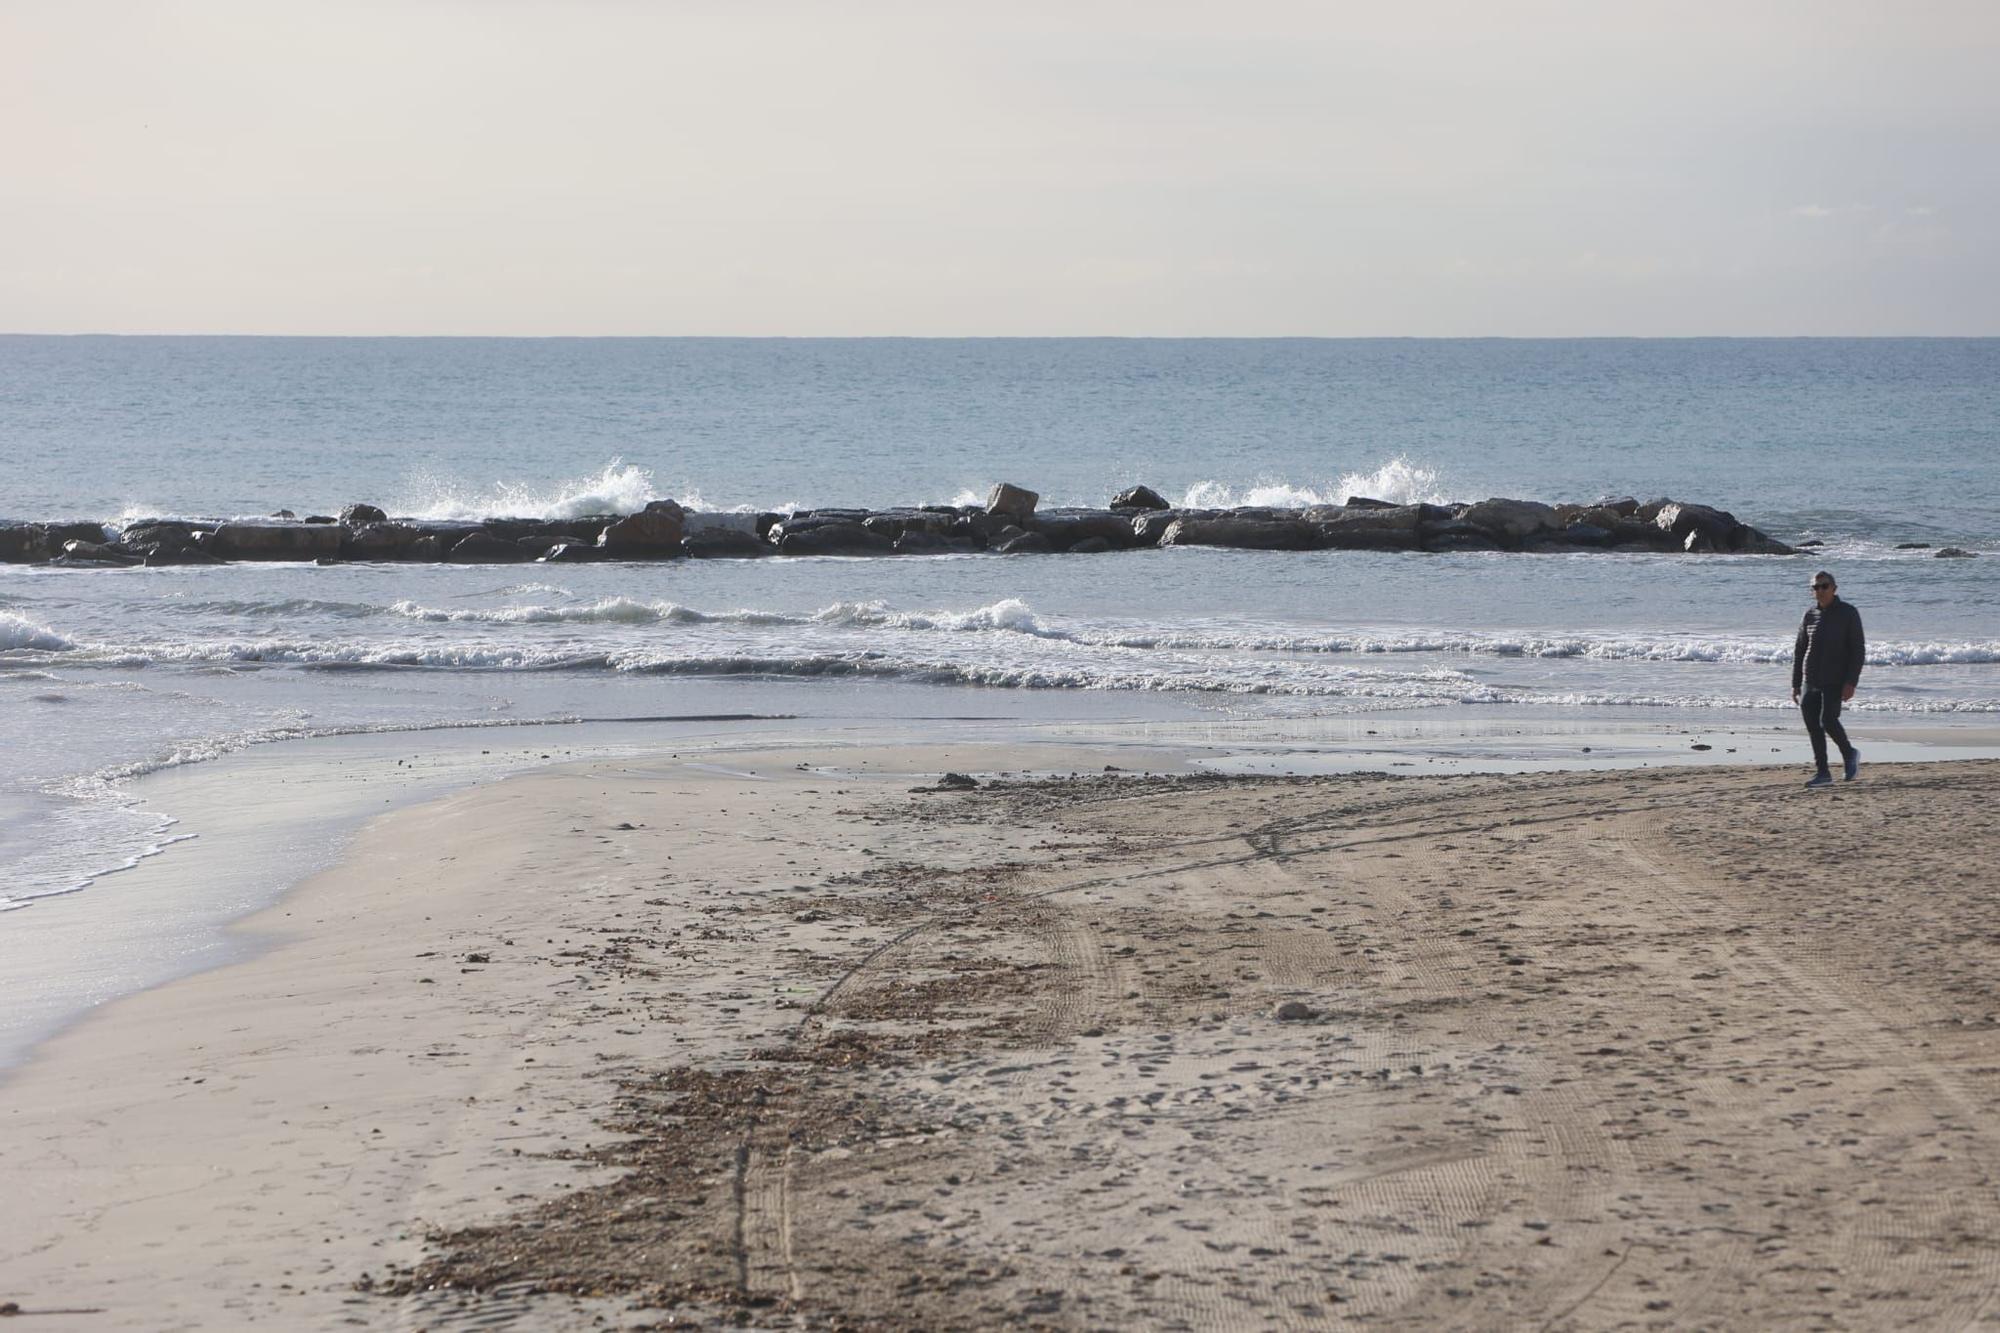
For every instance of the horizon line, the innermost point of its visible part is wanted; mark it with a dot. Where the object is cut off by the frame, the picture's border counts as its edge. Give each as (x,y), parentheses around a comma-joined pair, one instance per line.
(1037,337)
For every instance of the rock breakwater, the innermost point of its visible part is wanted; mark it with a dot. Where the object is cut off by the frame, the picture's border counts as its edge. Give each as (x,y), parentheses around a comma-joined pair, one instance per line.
(1010,523)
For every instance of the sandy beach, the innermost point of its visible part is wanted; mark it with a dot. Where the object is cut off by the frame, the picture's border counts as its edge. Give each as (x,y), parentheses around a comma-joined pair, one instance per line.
(774,1040)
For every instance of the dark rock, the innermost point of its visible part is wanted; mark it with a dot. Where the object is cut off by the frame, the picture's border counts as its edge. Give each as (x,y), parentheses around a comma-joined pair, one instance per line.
(1458,537)
(1588,534)
(1623,505)
(1364,502)
(1066,527)
(483,548)
(1149,527)
(319,518)
(1680,521)
(1954,553)
(379,541)
(976,527)
(74,532)
(1370,527)
(430,547)
(1139,497)
(168,554)
(1747,540)
(573,553)
(1092,546)
(654,531)
(1292,1011)
(1028,543)
(1256,534)
(76,552)
(703,520)
(275,541)
(893,523)
(520,529)
(283,513)
(845,538)
(726,543)
(358,513)
(1510,522)
(24,543)
(157,532)
(919,542)
(1810,543)
(167,543)
(1913,546)
(1013,501)
(958,782)
(535,547)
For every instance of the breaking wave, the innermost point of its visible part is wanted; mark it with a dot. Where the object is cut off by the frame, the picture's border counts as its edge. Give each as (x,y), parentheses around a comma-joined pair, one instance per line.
(1398,481)
(1007,618)
(19,632)
(617,488)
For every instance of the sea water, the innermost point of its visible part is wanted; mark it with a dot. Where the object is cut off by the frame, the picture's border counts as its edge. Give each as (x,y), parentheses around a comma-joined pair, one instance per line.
(1865,445)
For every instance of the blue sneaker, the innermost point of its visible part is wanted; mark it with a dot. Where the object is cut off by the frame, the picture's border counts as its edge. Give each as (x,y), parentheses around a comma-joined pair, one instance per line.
(1820,779)
(1851,765)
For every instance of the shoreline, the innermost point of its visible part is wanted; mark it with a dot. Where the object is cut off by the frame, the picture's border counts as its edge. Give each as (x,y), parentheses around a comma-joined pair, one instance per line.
(170,913)
(1060,996)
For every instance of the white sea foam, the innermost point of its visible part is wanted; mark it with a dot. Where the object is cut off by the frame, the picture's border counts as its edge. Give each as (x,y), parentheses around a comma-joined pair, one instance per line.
(617,488)
(1005,618)
(1009,614)
(1398,481)
(18,632)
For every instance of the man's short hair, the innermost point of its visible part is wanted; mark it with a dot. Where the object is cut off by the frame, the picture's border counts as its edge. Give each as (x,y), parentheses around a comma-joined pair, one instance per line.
(1823,574)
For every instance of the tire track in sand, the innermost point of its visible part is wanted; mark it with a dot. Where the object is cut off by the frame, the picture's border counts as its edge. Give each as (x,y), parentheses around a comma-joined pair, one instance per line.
(1847,1031)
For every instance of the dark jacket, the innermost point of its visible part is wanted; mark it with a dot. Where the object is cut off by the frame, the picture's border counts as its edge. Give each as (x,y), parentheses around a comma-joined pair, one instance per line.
(1830,648)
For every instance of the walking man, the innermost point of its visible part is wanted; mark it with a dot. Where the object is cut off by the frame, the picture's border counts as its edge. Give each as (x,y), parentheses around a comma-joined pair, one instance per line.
(1826,665)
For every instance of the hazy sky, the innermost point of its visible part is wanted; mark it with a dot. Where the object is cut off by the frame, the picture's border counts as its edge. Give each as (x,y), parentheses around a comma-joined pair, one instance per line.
(847,167)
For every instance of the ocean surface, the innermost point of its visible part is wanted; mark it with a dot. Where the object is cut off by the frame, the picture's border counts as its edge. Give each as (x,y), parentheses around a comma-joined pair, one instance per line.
(106,675)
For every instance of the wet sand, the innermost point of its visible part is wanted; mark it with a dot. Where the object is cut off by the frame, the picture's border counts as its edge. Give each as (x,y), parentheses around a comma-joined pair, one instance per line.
(753,1040)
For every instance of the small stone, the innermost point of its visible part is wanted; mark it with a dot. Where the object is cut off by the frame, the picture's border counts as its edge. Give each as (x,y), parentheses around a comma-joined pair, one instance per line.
(1292,1011)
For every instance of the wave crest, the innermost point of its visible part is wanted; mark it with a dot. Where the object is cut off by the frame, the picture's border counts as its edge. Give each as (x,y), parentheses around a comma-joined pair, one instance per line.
(1398,481)
(18,632)
(616,488)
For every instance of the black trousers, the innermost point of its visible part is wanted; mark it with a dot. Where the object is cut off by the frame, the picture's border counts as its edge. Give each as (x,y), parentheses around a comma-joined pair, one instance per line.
(1821,708)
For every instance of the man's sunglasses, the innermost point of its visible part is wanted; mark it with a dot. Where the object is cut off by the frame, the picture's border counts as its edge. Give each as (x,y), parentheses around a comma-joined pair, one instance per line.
(1822,587)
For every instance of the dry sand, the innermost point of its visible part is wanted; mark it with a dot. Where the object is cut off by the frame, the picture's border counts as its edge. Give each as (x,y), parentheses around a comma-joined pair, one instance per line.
(650,1044)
